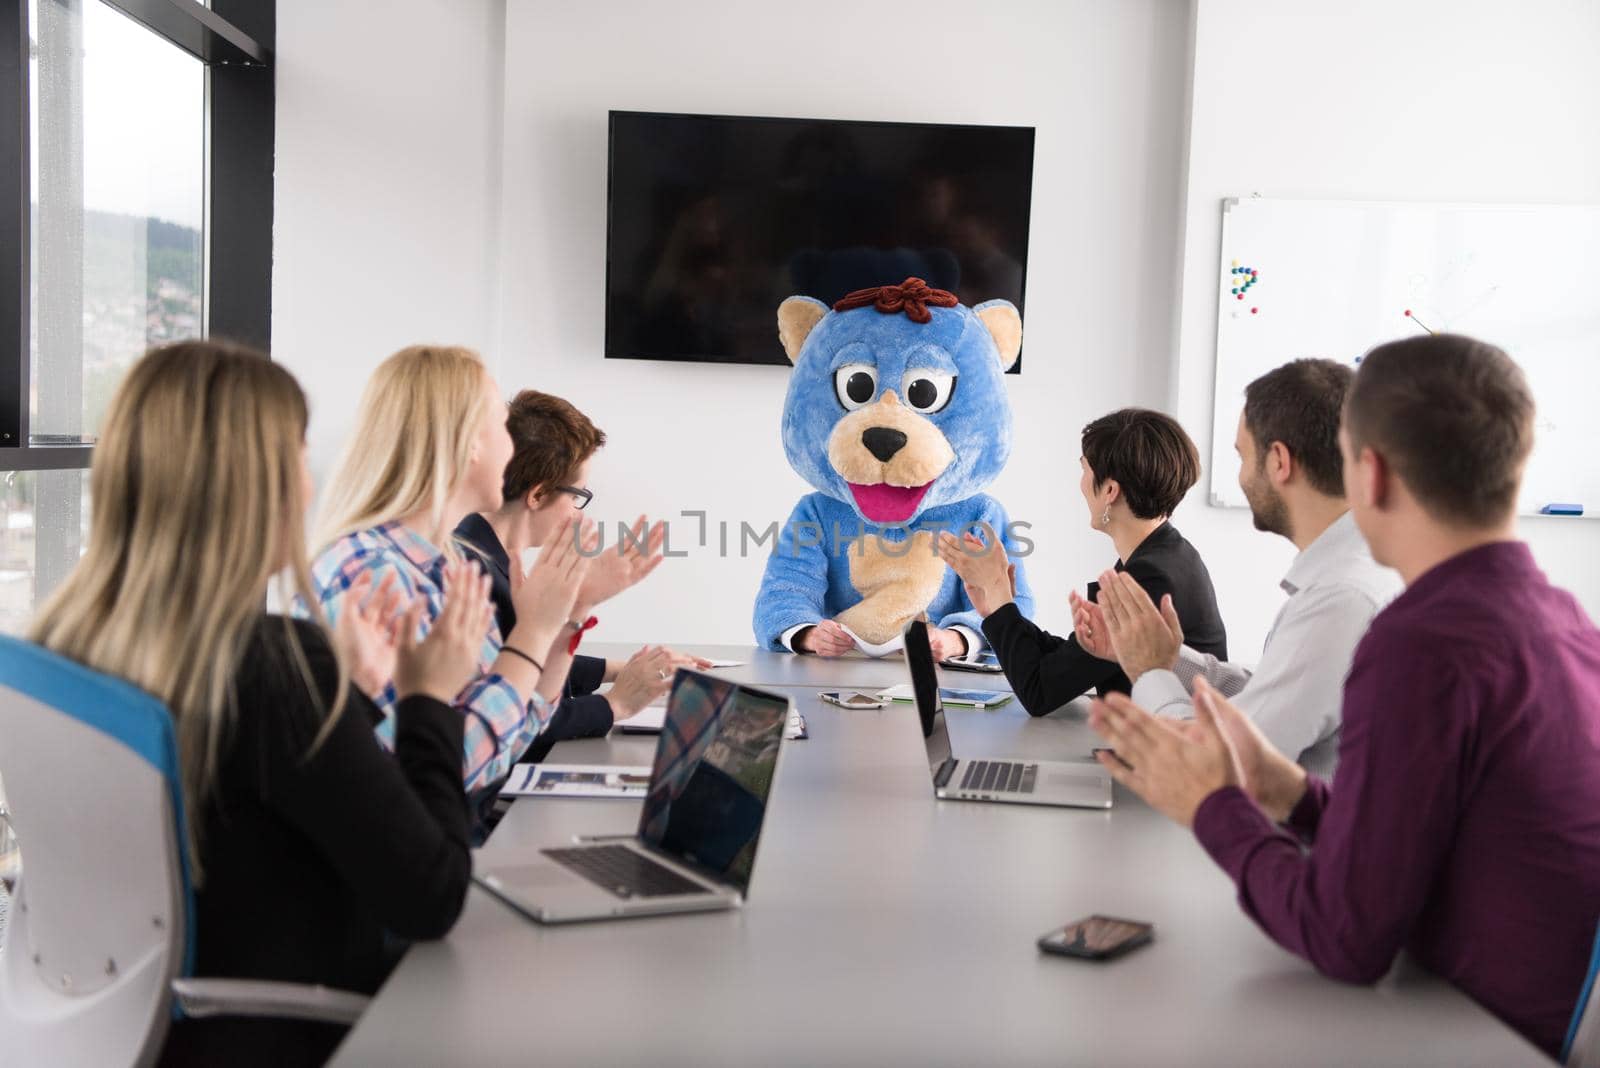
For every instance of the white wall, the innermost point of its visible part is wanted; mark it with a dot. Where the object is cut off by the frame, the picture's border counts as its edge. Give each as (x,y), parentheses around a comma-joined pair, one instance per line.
(387,190)
(1102,82)
(395,220)
(1443,100)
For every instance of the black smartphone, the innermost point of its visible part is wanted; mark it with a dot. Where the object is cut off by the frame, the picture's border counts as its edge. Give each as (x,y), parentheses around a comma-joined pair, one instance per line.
(983,667)
(1097,938)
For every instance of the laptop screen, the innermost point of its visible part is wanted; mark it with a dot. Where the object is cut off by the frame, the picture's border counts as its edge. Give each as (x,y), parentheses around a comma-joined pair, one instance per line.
(713,772)
(925,686)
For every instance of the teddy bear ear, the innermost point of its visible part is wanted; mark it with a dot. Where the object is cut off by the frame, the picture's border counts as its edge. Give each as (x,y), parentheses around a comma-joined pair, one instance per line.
(1005,326)
(796,317)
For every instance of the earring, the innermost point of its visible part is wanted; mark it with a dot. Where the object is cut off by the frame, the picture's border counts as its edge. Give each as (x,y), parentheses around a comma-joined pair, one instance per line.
(1105,518)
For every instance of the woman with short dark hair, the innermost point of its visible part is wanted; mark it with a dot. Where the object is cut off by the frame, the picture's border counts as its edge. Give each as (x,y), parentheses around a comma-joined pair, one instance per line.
(1137,466)
(546,484)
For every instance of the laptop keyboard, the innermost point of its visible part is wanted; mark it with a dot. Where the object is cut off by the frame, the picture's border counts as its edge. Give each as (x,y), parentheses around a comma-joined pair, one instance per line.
(999,777)
(624,872)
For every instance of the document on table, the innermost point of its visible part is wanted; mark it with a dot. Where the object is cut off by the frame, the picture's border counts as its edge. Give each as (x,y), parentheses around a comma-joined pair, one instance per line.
(893,645)
(966,698)
(577,780)
(653,718)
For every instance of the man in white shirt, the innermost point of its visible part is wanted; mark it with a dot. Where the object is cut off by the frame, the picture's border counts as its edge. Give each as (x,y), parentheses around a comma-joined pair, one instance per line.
(1291,471)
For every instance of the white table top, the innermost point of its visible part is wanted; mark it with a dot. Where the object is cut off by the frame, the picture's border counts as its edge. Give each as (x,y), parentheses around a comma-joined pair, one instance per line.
(885,927)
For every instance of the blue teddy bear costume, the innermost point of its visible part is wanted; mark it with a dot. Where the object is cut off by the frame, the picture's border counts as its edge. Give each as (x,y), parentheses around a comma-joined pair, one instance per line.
(897,413)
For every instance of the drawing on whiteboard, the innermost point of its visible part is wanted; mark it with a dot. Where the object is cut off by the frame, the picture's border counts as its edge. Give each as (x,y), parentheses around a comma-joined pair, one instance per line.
(1240,280)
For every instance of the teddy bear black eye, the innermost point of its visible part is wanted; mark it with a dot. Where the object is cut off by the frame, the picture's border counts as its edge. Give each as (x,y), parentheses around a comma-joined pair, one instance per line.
(928,391)
(856,384)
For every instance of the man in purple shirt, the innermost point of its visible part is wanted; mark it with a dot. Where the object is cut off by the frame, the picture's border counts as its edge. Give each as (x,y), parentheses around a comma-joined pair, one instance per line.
(1463,824)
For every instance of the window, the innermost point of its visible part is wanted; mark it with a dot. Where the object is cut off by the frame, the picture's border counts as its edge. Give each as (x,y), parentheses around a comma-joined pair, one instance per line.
(142,149)
(117,118)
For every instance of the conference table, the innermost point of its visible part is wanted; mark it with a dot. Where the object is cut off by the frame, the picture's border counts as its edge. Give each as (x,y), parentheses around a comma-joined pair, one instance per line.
(883,926)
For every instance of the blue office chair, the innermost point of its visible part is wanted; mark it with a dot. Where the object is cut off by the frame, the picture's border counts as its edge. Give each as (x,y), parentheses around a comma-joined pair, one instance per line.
(1582,1049)
(99,949)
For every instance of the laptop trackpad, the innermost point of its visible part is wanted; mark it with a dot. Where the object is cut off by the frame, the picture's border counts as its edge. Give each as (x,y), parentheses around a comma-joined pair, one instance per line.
(533,876)
(1066,780)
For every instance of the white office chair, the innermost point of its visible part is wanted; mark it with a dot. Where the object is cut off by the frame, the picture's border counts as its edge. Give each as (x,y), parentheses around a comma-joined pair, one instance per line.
(100,943)
(1583,1037)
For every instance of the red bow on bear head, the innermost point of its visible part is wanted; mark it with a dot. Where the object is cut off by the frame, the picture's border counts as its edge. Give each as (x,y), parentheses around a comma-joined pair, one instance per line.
(911,296)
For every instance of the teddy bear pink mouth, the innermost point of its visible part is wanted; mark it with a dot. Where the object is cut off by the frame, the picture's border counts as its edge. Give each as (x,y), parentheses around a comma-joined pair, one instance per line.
(883,503)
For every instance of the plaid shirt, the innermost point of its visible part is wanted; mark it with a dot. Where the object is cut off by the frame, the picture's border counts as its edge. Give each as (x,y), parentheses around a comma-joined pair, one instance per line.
(500,725)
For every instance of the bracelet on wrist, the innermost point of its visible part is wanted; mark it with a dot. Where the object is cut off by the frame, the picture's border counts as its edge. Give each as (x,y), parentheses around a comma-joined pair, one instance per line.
(514,651)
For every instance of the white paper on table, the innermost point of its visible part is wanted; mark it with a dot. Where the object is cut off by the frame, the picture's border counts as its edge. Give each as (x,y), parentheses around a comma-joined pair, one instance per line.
(893,645)
(577,780)
(650,720)
(653,719)
(712,665)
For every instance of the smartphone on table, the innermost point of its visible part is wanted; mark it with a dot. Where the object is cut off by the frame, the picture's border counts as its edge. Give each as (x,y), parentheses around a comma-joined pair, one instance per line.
(1097,938)
(984,665)
(852,700)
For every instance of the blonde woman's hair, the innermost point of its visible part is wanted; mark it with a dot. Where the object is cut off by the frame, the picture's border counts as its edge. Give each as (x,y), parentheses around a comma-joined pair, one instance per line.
(412,442)
(196,484)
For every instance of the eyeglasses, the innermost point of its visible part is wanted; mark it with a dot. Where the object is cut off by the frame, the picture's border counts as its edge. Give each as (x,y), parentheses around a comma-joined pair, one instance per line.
(583,496)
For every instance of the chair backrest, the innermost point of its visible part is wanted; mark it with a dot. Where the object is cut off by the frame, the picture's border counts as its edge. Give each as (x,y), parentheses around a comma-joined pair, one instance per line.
(1582,1049)
(101,919)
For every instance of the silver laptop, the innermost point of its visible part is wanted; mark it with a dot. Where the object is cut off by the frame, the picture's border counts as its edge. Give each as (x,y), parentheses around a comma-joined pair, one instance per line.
(701,820)
(1014,781)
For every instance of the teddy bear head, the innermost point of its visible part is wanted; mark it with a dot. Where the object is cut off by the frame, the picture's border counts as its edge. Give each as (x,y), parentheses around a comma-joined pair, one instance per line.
(897,403)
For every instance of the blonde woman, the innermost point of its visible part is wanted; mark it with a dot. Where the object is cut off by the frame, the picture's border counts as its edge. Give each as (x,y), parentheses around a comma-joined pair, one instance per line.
(430,446)
(308,841)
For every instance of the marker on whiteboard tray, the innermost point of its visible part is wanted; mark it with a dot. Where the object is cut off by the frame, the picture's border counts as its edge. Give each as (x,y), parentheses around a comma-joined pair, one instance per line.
(1419,322)
(1561,509)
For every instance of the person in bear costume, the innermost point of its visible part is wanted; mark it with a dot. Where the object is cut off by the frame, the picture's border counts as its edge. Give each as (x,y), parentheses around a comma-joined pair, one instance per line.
(897,413)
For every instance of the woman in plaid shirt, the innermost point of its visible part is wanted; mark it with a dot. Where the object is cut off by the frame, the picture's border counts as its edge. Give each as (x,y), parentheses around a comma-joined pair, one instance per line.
(430,446)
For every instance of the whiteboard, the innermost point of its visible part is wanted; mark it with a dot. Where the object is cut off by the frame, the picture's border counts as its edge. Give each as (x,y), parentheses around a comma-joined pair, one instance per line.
(1334,278)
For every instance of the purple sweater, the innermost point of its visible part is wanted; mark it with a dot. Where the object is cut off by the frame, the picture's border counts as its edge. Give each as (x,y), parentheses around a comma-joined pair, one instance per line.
(1464,820)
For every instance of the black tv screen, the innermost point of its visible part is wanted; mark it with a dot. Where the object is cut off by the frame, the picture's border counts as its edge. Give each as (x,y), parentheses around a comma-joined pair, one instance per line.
(713,220)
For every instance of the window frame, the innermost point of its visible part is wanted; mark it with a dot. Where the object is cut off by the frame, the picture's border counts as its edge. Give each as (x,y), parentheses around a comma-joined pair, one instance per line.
(239,138)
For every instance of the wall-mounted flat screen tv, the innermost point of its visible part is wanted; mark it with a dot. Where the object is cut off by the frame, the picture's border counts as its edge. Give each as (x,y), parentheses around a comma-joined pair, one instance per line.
(713,220)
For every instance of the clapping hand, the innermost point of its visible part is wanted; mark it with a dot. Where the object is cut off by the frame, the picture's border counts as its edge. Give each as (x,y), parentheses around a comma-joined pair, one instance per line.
(1143,638)
(441,665)
(634,557)
(989,578)
(1089,627)
(366,633)
(544,596)
(1172,765)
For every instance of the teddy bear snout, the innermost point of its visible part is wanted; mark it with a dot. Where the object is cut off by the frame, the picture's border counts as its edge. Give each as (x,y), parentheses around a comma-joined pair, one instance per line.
(883,442)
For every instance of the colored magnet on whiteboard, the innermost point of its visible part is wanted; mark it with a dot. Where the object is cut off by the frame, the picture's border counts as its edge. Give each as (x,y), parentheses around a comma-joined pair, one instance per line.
(1254,310)
(1241,296)
(1236,263)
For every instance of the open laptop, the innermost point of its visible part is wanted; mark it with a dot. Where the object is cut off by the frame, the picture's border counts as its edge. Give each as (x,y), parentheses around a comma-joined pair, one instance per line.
(1014,781)
(695,848)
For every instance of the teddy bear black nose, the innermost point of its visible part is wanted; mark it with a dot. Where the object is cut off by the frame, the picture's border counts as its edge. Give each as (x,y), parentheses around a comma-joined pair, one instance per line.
(883,442)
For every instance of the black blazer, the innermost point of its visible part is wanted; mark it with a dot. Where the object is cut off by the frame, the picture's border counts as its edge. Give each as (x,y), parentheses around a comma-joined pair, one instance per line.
(313,865)
(1046,671)
(582,713)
